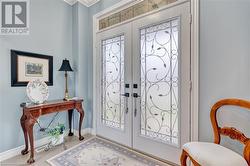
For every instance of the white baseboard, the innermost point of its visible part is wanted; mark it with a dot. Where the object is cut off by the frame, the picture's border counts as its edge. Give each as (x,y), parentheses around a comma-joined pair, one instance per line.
(17,151)
(84,131)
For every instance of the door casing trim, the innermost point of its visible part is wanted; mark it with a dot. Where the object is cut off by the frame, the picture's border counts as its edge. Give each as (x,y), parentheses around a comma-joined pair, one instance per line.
(194,84)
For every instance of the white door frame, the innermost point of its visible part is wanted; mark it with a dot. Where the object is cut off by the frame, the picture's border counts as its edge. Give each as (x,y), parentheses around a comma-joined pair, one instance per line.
(194,84)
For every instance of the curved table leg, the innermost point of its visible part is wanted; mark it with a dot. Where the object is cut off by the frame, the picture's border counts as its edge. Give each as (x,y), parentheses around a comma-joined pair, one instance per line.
(81,112)
(29,123)
(70,112)
(26,149)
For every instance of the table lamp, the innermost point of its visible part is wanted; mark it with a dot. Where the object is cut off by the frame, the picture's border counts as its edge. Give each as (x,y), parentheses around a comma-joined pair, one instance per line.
(66,67)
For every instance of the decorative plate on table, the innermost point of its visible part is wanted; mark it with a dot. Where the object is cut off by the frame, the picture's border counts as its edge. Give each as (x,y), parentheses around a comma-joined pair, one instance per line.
(37,91)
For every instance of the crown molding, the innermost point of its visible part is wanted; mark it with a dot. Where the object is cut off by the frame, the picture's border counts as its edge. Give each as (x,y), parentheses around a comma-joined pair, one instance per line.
(70,2)
(86,3)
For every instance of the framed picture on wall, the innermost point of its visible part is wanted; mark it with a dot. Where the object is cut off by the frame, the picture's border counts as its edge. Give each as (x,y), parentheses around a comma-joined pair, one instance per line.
(27,66)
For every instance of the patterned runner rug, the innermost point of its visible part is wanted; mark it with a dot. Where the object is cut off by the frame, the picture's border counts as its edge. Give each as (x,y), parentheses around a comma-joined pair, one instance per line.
(100,152)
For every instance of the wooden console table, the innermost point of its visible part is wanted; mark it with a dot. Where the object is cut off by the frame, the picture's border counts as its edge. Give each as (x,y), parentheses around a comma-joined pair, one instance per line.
(32,112)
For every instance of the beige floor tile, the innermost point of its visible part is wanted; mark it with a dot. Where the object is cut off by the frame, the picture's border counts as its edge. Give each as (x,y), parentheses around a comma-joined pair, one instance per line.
(42,157)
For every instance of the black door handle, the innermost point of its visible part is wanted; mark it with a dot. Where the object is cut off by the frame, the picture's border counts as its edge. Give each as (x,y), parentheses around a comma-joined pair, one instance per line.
(125,94)
(135,95)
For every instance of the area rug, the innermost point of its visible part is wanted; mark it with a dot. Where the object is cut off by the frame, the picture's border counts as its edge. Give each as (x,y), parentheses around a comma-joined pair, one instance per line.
(100,152)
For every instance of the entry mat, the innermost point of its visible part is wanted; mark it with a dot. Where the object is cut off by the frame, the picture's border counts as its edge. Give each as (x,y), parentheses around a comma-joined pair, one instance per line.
(99,152)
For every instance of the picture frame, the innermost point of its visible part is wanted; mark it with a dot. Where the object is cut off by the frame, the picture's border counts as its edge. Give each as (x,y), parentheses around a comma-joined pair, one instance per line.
(26,66)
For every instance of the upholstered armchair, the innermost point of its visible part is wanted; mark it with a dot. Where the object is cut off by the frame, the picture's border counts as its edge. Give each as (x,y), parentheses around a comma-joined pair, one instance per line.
(213,154)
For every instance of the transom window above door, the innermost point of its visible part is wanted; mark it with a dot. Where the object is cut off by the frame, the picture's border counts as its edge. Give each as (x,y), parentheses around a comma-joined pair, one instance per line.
(138,9)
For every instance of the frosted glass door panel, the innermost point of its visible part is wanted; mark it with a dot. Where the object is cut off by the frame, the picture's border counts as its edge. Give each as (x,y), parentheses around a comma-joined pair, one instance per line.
(160,81)
(113,82)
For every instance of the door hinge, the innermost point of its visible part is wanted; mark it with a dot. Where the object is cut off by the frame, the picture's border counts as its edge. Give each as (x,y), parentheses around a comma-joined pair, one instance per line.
(190,18)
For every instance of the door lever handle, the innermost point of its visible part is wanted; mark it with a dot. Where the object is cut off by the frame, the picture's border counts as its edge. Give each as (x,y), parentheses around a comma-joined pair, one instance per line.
(125,94)
(135,113)
(135,95)
(126,110)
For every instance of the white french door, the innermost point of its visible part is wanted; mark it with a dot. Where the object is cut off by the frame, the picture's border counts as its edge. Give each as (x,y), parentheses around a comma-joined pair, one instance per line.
(161,47)
(114,68)
(144,83)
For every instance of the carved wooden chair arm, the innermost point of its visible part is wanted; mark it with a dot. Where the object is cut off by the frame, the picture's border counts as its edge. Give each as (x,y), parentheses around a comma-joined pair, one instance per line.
(233,133)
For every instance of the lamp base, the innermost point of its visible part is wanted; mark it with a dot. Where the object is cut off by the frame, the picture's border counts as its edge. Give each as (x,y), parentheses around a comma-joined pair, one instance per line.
(66,98)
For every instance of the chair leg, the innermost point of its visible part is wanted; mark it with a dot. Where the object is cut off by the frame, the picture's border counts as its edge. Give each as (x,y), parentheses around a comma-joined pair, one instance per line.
(183,158)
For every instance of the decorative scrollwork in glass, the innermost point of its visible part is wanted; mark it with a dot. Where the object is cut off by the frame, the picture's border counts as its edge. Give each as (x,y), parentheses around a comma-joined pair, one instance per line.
(113,82)
(160,82)
(138,9)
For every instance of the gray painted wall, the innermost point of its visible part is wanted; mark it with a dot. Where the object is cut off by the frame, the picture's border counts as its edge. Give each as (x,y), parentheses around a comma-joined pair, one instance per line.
(101,5)
(83,44)
(224,62)
(80,51)
(51,34)
(62,31)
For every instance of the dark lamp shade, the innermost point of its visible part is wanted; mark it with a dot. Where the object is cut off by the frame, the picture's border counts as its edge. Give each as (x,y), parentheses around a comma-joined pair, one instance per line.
(65,66)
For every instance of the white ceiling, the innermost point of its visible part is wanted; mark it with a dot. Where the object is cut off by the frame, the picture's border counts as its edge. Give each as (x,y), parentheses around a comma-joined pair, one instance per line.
(87,3)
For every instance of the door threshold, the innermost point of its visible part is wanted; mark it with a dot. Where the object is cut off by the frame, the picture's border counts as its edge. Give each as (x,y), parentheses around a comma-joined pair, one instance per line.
(138,151)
